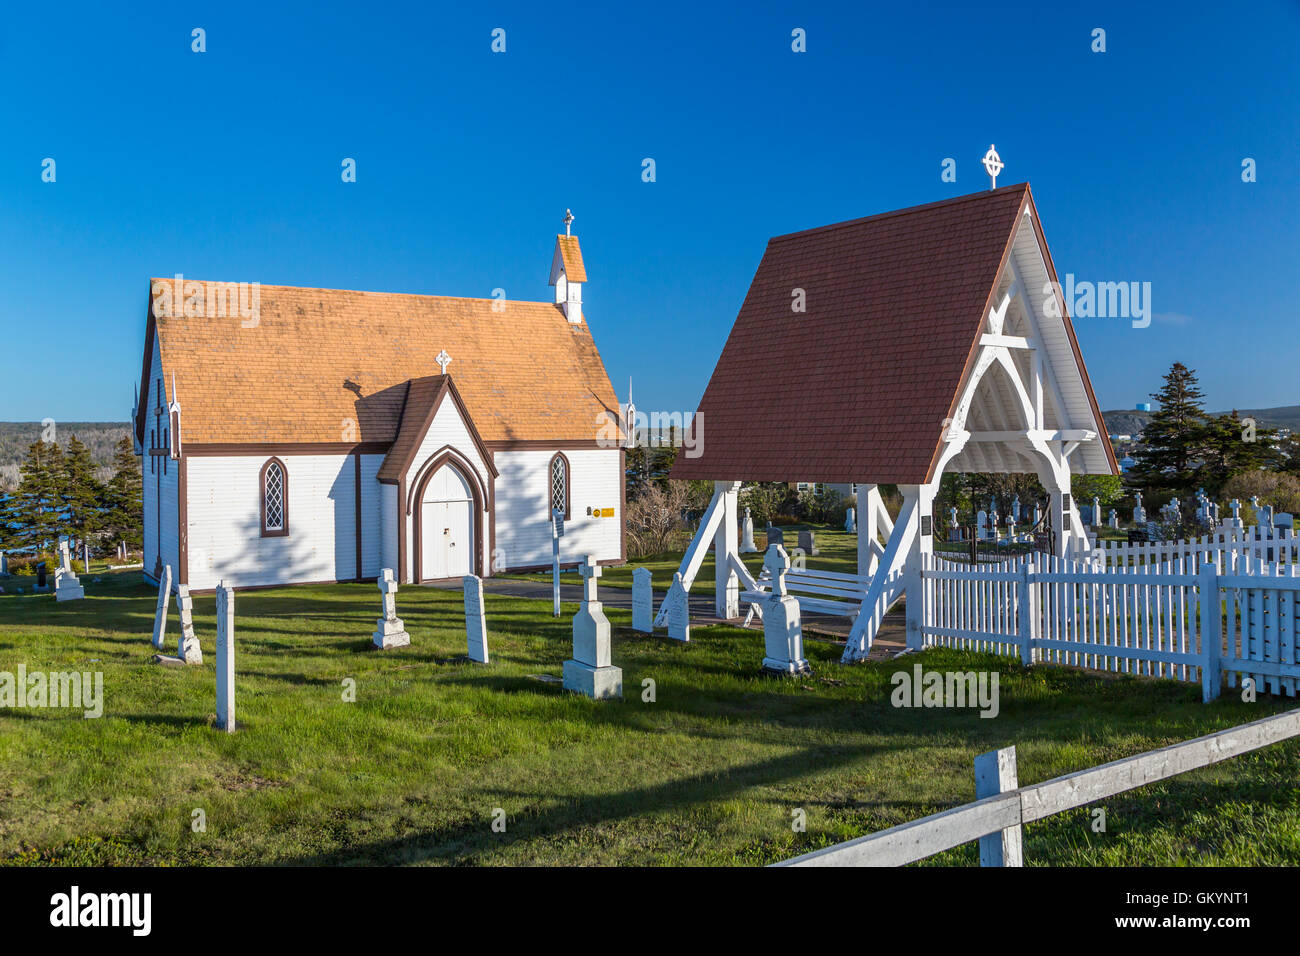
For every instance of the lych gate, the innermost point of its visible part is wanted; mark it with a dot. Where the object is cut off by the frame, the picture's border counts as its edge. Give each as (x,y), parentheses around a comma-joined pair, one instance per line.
(930,339)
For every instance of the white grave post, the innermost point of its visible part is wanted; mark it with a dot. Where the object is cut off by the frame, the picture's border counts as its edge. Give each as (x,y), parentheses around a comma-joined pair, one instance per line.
(389,630)
(225,658)
(782,632)
(590,672)
(1114,518)
(643,601)
(1096,512)
(747,545)
(679,610)
(557,532)
(475,621)
(160,615)
(1139,513)
(187,645)
(66,585)
(850,520)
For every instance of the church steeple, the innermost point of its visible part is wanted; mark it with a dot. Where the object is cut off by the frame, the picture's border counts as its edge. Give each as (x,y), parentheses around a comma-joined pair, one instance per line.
(567,271)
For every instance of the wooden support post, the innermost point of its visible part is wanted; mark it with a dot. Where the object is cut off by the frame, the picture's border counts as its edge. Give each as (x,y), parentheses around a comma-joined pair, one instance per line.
(995,773)
(922,543)
(868,529)
(1211,636)
(726,545)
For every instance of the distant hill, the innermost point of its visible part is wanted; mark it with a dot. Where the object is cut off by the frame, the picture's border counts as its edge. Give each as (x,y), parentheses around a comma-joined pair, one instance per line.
(99,437)
(1130,421)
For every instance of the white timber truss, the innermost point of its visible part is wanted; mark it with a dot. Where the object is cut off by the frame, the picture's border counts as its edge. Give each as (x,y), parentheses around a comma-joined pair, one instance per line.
(1021,409)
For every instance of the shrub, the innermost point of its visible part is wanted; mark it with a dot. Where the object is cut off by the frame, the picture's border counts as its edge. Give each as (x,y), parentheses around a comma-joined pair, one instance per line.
(654,519)
(1275,488)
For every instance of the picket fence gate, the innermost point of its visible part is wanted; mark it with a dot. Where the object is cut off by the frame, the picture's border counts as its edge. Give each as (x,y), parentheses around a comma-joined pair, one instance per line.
(1147,619)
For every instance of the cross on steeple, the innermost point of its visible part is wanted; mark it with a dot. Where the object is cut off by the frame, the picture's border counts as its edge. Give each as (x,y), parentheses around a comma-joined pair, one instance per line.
(992,165)
(443,361)
(568,221)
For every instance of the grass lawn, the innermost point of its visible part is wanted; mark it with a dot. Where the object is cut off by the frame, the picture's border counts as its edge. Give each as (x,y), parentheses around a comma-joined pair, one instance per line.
(707,774)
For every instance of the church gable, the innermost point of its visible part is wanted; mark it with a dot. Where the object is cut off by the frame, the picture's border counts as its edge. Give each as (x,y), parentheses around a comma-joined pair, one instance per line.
(435,418)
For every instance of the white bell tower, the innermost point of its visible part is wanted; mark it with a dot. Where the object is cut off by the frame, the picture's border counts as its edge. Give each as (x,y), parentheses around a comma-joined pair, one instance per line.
(567,272)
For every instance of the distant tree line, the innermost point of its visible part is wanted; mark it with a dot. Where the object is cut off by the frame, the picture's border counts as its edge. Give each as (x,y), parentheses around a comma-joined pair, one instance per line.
(60,493)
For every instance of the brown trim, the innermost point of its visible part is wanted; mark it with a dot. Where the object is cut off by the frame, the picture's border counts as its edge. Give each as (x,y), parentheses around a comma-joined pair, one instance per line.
(283,531)
(145,371)
(403,465)
(174,448)
(182,523)
(549,444)
(240,449)
(357,507)
(568,473)
(622,508)
(1103,433)
(477,492)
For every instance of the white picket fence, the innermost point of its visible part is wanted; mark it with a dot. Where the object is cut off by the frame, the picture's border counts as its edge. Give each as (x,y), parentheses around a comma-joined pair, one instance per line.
(1224,547)
(1145,619)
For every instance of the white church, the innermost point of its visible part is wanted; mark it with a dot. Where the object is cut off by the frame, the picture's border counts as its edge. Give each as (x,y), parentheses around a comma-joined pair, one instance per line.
(316,435)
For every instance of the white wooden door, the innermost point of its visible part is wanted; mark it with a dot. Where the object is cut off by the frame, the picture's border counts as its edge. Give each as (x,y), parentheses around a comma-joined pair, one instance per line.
(446,526)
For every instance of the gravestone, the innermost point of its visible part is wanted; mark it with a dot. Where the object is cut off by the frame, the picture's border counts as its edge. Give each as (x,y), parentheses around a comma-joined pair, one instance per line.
(747,545)
(1114,518)
(66,585)
(642,601)
(475,622)
(1096,512)
(679,610)
(807,543)
(774,535)
(952,518)
(389,630)
(982,524)
(225,658)
(590,671)
(160,615)
(187,645)
(850,520)
(1015,509)
(782,632)
(4,564)
(1139,513)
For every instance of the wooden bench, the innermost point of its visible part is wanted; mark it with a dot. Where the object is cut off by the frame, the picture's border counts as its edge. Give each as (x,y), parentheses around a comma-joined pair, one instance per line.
(818,592)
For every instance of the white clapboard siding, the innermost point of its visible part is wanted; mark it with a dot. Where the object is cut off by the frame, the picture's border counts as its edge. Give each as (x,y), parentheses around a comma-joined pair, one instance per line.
(225,540)
(523,526)
(372,558)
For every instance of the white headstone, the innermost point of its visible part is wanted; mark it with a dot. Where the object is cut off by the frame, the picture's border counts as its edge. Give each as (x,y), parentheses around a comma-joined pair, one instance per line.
(590,671)
(389,630)
(1096,512)
(952,517)
(642,601)
(1139,513)
(160,615)
(1015,509)
(782,632)
(747,545)
(679,610)
(225,658)
(850,520)
(1114,518)
(187,648)
(475,622)
(982,524)
(66,585)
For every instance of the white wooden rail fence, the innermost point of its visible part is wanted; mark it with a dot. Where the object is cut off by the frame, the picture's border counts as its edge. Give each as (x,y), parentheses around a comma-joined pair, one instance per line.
(1146,619)
(996,819)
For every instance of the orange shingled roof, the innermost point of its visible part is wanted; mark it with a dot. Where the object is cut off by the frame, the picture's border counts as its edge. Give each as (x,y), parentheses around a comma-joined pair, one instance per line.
(574,270)
(327,365)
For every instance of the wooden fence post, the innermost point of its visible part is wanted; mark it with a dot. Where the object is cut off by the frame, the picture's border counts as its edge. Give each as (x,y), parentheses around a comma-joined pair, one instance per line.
(995,772)
(1211,637)
(1026,615)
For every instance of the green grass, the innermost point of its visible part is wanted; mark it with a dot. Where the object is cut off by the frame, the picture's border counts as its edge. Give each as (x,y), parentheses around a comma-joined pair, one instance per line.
(707,774)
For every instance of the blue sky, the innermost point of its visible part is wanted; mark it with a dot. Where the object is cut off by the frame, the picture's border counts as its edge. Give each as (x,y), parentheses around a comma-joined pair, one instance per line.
(225,165)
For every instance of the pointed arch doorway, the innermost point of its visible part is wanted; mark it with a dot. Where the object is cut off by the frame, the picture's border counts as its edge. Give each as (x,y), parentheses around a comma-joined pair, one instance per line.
(446,525)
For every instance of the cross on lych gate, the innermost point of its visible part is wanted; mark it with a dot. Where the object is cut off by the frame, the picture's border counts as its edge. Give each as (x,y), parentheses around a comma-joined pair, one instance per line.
(993,165)
(443,361)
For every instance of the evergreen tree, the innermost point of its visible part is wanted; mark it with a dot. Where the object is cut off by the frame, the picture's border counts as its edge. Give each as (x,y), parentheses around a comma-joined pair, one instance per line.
(124,498)
(1231,448)
(1174,440)
(80,493)
(38,498)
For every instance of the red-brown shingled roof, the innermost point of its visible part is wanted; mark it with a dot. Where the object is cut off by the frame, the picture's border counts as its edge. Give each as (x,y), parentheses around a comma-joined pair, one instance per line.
(855,389)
